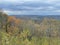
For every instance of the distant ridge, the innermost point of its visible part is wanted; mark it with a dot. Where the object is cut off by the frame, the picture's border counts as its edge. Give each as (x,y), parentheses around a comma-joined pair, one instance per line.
(37,16)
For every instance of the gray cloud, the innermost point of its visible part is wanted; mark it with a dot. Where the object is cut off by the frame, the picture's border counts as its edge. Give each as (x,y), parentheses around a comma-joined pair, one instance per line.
(31,7)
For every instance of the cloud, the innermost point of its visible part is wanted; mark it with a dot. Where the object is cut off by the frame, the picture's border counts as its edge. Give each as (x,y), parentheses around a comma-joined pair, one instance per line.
(12,12)
(30,7)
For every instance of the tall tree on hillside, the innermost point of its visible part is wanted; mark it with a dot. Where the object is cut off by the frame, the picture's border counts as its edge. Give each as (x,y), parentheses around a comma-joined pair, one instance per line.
(1,18)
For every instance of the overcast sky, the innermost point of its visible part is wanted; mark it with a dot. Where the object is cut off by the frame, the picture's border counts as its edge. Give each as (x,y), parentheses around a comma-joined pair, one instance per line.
(31,7)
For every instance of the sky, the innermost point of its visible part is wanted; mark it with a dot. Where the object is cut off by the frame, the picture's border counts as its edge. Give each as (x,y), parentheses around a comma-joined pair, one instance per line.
(30,7)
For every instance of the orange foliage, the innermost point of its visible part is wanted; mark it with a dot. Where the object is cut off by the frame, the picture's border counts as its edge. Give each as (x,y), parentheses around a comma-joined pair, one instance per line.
(17,21)
(11,18)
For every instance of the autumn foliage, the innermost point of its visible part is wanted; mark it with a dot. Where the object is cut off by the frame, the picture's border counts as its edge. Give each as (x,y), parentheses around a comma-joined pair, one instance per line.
(16,31)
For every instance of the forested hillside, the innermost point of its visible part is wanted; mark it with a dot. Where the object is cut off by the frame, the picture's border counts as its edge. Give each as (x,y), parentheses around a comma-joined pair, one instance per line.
(29,30)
